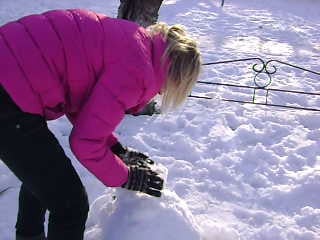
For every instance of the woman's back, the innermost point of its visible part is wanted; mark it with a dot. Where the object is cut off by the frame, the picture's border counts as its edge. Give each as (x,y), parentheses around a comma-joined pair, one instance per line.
(50,62)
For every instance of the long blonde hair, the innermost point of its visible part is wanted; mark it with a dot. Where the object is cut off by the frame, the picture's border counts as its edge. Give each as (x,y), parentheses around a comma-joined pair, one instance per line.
(185,64)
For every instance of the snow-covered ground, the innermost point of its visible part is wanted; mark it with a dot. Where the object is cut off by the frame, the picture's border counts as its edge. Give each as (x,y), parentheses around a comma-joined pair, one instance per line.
(234,171)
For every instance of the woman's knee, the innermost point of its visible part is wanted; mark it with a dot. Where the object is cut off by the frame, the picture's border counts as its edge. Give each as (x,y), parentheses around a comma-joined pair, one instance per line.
(72,207)
(68,219)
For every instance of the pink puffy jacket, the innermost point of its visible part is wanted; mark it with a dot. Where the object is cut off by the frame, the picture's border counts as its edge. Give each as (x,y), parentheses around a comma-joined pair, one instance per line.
(88,66)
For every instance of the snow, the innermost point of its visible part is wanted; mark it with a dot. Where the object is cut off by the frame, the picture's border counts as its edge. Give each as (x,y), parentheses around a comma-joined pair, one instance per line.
(234,171)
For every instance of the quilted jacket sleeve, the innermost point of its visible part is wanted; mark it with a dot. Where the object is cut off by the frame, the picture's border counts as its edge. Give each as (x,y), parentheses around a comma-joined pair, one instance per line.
(115,91)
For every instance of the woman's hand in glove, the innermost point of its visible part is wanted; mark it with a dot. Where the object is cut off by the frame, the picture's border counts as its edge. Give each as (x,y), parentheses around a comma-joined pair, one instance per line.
(144,180)
(130,156)
(136,158)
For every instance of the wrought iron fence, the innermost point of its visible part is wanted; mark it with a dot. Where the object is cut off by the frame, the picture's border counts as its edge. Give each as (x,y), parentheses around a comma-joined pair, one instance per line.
(268,69)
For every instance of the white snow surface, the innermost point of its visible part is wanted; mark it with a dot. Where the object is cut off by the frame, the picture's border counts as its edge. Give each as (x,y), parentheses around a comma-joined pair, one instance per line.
(234,171)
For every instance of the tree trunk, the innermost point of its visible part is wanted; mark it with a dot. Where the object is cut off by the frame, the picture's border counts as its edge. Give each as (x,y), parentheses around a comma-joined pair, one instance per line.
(143,12)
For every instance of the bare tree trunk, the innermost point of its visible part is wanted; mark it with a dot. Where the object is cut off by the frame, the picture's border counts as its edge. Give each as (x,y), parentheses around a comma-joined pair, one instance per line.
(143,12)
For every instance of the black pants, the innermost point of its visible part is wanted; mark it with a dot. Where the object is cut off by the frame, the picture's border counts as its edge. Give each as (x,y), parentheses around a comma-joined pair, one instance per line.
(49,181)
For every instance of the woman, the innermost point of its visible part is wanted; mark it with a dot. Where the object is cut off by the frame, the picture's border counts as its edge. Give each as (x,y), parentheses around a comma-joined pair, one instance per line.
(93,69)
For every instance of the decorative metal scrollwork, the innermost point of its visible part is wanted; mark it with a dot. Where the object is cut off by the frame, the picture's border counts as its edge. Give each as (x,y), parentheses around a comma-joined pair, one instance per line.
(268,69)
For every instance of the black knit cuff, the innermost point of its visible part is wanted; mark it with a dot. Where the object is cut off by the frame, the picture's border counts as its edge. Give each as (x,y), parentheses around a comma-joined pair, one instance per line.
(118,149)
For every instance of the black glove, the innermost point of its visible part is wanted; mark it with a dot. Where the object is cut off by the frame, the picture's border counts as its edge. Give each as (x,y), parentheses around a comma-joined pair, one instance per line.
(144,180)
(131,157)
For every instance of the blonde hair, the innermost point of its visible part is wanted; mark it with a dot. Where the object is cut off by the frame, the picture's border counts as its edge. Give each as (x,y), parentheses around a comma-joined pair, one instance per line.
(185,63)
